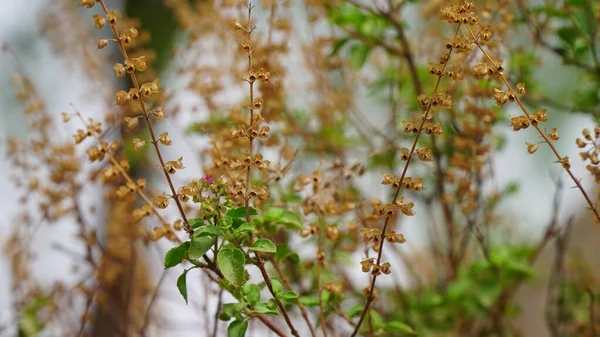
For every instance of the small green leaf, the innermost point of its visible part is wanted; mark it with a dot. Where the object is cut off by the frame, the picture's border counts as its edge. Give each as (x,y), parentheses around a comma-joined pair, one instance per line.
(284,217)
(196,222)
(400,327)
(277,286)
(376,319)
(266,308)
(182,285)
(274,214)
(520,267)
(233,310)
(568,35)
(289,297)
(237,329)
(231,262)
(310,301)
(338,45)
(199,246)
(209,231)
(264,245)
(358,55)
(252,292)
(240,212)
(225,222)
(245,227)
(355,311)
(175,255)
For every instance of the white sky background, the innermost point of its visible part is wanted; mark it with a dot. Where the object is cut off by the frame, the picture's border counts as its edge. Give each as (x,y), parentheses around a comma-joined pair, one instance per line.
(59,86)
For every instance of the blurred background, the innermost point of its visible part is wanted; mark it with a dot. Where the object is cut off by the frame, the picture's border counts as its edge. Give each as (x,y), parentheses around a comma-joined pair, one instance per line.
(48,42)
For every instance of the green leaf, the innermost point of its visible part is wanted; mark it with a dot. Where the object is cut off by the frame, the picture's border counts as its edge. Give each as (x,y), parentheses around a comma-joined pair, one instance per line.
(289,297)
(274,214)
(310,301)
(252,292)
(277,286)
(240,212)
(287,218)
(358,55)
(233,310)
(338,45)
(399,327)
(355,311)
(196,222)
(199,246)
(245,227)
(520,267)
(568,35)
(264,245)
(237,329)
(209,231)
(266,308)
(225,222)
(283,252)
(231,262)
(182,285)
(175,255)
(376,319)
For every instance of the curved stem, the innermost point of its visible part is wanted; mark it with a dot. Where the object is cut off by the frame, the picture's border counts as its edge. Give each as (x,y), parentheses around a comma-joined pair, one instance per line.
(539,130)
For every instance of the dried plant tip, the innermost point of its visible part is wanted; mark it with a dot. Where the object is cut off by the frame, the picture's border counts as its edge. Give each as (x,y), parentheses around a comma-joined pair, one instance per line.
(163,138)
(122,97)
(246,48)
(565,162)
(120,70)
(158,113)
(366,264)
(161,201)
(138,144)
(580,143)
(332,232)
(237,24)
(173,165)
(112,17)
(150,88)
(113,146)
(521,89)
(423,100)
(485,35)
(386,268)
(258,102)
(393,237)
(65,117)
(99,21)
(532,147)
(131,122)
(554,134)
(102,43)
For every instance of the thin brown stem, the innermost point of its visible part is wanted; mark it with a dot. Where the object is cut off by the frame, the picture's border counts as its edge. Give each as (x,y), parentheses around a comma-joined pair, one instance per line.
(151,304)
(136,85)
(539,130)
(216,319)
(592,314)
(424,118)
(288,285)
(259,261)
(319,285)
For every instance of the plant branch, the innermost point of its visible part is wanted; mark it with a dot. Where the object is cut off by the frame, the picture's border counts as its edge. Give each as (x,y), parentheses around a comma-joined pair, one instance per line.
(424,118)
(539,130)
